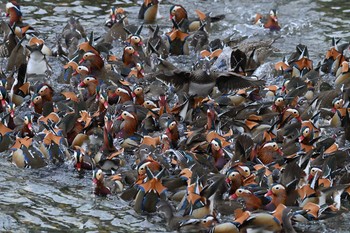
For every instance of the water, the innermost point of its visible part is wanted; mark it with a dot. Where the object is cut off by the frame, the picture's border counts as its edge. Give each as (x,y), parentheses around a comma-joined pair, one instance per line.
(52,199)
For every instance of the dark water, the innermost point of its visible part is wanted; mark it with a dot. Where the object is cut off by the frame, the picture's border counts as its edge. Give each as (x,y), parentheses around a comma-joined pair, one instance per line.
(52,199)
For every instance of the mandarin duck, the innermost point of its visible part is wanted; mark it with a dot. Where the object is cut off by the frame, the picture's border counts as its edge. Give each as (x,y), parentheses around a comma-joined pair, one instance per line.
(271,21)
(148,11)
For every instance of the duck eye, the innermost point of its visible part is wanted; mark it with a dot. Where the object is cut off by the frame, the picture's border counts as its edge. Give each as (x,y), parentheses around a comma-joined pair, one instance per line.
(240,191)
(146,149)
(277,188)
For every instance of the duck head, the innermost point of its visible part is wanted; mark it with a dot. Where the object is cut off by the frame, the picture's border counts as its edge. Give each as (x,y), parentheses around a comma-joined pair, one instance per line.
(112,17)
(273,15)
(103,99)
(45,91)
(98,180)
(129,124)
(78,159)
(124,95)
(211,119)
(134,40)
(138,95)
(306,133)
(128,54)
(315,173)
(278,194)
(294,113)
(36,100)
(89,81)
(13,10)
(337,104)
(11,107)
(178,13)
(95,61)
(273,146)
(279,104)
(28,121)
(137,71)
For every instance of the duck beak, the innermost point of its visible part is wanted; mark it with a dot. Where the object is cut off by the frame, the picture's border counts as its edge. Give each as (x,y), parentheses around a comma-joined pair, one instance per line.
(95,181)
(78,166)
(81,84)
(142,72)
(269,193)
(30,127)
(310,177)
(233,196)
(113,18)
(3,102)
(105,104)
(12,114)
(301,138)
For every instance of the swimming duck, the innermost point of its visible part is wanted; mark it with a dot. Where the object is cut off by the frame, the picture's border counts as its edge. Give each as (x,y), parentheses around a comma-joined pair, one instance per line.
(130,57)
(103,186)
(138,95)
(150,192)
(342,73)
(13,10)
(179,14)
(25,155)
(271,22)
(137,71)
(251,201)
(114,15)
(82,161)
(148,11)
(177,39)
(129,125)
(38,68)
(278,196)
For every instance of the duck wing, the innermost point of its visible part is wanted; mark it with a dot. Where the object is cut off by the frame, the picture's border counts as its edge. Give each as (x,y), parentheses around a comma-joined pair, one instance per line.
(177,77)
(229,81)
